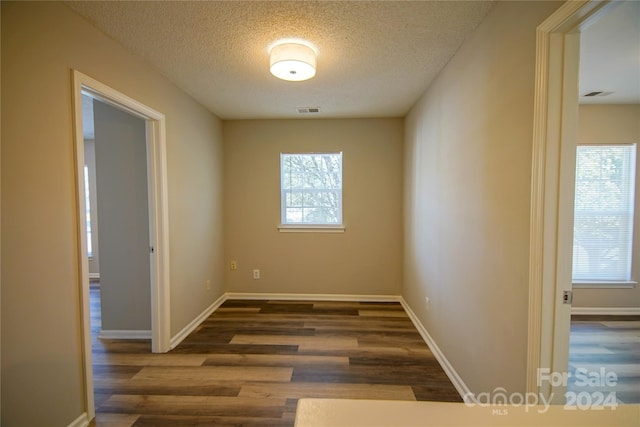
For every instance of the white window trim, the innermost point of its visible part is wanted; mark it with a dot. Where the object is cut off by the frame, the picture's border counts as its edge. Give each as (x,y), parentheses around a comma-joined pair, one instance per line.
(311,228)
(307,227)
(622,284)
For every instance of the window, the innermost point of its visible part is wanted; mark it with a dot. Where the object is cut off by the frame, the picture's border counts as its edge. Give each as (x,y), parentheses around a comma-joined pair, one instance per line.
(603,215)
(87,205)
(311,189)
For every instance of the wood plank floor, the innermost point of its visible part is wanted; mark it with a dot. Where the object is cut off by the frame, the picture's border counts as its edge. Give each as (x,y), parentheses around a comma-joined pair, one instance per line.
(250,362)
(611,343)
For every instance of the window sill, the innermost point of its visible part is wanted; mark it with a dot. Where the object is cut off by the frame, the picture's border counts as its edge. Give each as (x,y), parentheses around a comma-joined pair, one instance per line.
(605,285)
(306,228)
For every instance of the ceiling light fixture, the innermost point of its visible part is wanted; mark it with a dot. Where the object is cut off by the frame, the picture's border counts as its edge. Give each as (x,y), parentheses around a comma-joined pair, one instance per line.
(294,62)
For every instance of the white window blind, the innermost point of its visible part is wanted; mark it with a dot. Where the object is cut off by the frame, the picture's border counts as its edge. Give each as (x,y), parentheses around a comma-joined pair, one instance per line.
(311,188)
(603,214)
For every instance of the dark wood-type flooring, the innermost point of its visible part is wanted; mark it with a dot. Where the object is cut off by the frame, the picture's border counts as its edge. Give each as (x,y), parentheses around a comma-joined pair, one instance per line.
(250,362)
(611,344)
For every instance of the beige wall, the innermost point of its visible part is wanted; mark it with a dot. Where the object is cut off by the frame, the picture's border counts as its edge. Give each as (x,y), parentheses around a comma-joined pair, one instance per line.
(468,145)
(366,259)
(612,124)
(41,349)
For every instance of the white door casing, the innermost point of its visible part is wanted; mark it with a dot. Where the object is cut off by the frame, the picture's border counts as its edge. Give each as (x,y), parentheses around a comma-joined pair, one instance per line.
(155,124)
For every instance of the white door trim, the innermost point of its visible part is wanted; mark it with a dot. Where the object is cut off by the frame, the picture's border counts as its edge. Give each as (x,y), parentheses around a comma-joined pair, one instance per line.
(158,217)
(552,188)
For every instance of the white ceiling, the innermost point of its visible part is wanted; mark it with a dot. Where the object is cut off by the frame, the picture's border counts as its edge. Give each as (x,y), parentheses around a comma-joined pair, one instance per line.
(376,58)
(610,57)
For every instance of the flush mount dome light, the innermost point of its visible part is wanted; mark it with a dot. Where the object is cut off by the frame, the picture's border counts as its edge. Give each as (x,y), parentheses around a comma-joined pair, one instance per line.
(293,62)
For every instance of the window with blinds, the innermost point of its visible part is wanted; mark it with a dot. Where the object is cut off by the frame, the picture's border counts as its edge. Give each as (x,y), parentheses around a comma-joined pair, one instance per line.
(603,213)
(311,188)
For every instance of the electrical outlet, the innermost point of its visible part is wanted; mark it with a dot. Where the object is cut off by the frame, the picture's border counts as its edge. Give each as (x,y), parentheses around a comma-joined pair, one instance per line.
(256,274)
(426,302)
(234,265)
(207,285)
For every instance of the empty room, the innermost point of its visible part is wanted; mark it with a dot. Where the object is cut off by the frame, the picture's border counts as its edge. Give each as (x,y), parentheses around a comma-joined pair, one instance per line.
(319,213)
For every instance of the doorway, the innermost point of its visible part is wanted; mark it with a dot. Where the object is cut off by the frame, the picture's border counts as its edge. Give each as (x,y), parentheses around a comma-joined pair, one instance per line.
(553,193)
(605,314)
(151,125)
(117,219)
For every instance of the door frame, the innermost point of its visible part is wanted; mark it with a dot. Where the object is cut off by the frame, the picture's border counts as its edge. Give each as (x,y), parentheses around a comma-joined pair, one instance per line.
(158,217)
(553,190)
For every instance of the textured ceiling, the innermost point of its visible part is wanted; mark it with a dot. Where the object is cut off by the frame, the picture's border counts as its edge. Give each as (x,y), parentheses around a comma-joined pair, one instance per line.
(610,56)
(375,59)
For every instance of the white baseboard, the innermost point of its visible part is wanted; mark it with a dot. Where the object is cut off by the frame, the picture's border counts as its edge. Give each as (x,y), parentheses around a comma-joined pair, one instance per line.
(460,386)
(606,311)
(81,421)
(124,335)
(313,297)
(180,336)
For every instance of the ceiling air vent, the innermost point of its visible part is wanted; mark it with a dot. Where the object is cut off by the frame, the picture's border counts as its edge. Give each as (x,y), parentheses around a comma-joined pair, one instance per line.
(308,110)
(597,93)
